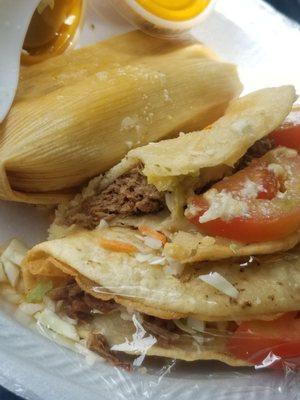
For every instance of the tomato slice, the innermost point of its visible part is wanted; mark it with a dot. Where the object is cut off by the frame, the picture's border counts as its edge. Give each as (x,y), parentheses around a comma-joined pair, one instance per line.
(268,191)
(271,344)
(289,134)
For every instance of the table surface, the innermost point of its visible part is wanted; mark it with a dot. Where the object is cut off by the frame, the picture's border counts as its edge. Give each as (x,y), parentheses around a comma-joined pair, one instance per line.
(290,8)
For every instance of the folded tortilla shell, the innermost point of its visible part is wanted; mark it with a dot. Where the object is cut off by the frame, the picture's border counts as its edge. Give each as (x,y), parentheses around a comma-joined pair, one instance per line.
(247,120)
(173,164)
(269,286)
(117,330)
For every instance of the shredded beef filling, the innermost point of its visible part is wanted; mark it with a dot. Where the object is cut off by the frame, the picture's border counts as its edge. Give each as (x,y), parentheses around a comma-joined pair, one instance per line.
(99,345)
(259,149)
(165,331)
(80,305)
(130,194)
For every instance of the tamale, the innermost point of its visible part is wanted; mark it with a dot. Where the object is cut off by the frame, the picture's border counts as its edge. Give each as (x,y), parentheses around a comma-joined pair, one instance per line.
(77,115)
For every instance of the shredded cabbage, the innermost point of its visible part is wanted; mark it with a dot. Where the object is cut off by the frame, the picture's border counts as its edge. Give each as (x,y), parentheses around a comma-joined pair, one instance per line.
(15,252)
(30,309)
(36,295)
(52,321)
(12,271)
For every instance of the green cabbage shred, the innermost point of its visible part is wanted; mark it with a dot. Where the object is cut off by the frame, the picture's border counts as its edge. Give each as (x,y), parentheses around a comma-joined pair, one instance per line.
(37,294)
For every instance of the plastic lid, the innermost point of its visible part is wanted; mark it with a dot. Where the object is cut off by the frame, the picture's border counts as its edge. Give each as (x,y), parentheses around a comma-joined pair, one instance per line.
(164,17)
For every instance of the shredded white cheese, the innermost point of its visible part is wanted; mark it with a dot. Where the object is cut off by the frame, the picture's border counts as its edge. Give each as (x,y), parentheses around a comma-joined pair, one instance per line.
(224,206)
(153,243)
(140,257)
(102,224)
(277,169)
(158,261)
(191,210)
(174,267)
(140,343)
(251,189)
(219,282)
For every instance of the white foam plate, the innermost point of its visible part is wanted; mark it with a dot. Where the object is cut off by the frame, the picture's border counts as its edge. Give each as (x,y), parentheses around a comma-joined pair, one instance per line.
(265,45)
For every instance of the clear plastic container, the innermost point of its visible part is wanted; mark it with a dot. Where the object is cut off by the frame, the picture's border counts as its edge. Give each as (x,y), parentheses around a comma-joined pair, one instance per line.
(157,17)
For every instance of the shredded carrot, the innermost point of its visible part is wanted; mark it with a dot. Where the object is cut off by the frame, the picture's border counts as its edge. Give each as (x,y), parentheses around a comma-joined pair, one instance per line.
(116,245)
(145,230)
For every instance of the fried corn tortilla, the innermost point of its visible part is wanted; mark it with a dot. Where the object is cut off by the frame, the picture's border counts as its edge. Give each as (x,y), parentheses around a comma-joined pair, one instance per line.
(161,176)
(270,285)
(117,330)
(185,348)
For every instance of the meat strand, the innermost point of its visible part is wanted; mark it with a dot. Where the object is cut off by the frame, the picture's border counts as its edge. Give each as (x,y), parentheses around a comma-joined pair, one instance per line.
(259,149)
(165,331)
(80,305)
(98,343)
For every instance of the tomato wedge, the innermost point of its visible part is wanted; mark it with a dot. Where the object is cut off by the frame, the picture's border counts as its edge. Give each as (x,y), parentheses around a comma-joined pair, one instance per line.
(257,204)
(289,134)
(271,344)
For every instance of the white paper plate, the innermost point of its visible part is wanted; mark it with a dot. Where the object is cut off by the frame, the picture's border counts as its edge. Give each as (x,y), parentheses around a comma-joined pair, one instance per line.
(265,45)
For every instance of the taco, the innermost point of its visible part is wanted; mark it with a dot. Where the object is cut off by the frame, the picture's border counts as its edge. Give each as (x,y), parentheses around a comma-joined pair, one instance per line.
(134,265)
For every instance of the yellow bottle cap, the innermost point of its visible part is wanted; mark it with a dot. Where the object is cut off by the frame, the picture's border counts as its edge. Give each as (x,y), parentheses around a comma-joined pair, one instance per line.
(175,10)
(165,18)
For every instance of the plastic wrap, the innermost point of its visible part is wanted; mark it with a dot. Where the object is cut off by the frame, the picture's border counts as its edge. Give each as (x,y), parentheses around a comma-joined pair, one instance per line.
(263,44)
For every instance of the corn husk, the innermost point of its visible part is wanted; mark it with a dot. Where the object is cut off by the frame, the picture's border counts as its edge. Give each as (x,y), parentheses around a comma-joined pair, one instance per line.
(78,114)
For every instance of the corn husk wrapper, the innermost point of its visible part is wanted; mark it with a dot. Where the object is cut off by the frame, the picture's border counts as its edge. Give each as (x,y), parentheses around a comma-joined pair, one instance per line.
(78,114)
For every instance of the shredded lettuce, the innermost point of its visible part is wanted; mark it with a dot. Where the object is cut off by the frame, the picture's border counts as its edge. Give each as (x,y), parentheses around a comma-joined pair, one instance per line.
(37,294)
